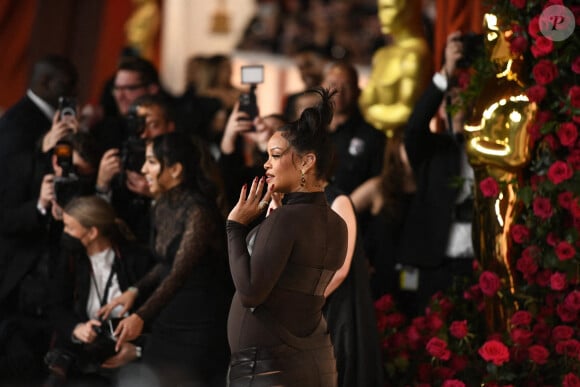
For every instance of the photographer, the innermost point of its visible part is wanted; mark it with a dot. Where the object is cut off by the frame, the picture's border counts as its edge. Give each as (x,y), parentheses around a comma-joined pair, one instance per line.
(119,179)
(98,262)
(436,238)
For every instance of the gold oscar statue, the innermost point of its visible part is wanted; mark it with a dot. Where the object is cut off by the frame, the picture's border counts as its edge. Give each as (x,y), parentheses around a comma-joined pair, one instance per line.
(498,146)
(142,27)
(401,70)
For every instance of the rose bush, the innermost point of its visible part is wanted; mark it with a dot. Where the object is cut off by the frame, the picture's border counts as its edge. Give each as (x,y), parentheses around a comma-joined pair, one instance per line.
(450,345)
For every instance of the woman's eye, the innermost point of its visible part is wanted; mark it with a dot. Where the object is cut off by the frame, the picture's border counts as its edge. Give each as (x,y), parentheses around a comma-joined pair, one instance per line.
(276,156)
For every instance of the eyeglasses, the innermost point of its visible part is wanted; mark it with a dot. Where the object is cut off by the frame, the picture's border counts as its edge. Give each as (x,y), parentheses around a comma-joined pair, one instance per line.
(117,89)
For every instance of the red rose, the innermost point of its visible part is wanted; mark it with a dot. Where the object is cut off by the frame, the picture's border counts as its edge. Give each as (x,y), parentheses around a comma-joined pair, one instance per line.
(574,159)
(458,329)
(434,322)
(541,332)
(385,303)
(570,380)
(544,116)
(545,72)
(574,94)
(570,348)
(558,281)
(572,300)
(536,94)
(542,208)
(489,187)
(394,320)
(576,65)
(567,133)
(424,371)
(550,141)
(527,265)
(454,382)
(489,283)
(381,323)
(519,4)
(494,351)
(559,171)
(518,45)
(521,317)
(538,354)
(565,199)
(543,278)
(575,208)
(542,46)
(438,348)
(552,239)
(565,251)
(519,233)
(458,363)
(534,27)
(521,337)
(566,314)
(562,332)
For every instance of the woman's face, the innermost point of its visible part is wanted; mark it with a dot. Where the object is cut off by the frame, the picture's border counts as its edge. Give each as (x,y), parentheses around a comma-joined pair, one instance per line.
(281,169)
(75,229)
(157,180)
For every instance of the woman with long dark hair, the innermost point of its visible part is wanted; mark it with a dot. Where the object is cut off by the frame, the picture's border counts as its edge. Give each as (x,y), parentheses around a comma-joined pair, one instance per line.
(189,289)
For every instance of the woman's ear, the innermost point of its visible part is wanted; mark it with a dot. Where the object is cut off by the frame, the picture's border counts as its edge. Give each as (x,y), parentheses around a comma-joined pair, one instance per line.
(176,170)
(93,233)
(308,162)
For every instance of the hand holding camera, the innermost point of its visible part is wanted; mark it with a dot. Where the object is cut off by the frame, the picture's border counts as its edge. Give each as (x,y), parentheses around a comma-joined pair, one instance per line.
(58,130)
(87,332)
(109,166)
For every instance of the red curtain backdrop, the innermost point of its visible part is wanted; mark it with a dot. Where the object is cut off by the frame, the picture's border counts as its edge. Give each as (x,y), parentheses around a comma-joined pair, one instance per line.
(16,24)
(455,15)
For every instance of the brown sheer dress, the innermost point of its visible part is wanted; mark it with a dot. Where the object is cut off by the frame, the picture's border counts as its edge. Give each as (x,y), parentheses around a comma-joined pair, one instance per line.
(276,329)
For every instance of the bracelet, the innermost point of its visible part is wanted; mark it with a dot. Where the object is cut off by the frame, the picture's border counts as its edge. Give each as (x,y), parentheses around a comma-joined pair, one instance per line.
(133,289)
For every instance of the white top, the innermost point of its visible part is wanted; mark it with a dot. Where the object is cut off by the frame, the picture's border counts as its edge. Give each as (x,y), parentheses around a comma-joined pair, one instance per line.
(102,264)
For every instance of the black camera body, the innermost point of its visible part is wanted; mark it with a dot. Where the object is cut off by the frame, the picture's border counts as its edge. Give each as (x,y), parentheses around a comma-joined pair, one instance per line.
(67,185)
(133,148)
(473,47)
(85,357)
(251,75)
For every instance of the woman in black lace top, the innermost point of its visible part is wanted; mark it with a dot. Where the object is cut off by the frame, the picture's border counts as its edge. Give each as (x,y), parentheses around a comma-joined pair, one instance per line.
(276,330)
(189,288)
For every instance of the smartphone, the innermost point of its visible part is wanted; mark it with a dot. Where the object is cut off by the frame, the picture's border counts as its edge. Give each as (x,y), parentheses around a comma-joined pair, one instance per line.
(67,107)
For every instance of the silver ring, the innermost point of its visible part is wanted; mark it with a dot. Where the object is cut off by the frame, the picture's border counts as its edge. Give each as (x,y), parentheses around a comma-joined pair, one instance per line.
(263,204)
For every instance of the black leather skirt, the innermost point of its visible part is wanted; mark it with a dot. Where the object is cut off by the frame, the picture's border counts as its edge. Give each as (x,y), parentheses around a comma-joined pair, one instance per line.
(283,365)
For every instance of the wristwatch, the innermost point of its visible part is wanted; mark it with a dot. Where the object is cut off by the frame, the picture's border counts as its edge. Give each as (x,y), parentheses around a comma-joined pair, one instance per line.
(138,351)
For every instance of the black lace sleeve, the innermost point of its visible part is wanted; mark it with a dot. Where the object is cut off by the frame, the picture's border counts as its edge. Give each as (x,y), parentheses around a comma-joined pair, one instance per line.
(194,245)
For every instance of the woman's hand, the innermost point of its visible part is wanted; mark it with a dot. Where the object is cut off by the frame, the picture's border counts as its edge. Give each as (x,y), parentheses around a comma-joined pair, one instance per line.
(128,329)
(85,332)
(251,206)
(126,354)
(127,299)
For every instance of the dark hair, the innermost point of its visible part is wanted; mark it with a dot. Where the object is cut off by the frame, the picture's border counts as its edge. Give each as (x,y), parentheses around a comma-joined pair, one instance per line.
(309,133)
(86,146)
(310,48)
(159,100)
(147,72)
(177,147)
(53,64)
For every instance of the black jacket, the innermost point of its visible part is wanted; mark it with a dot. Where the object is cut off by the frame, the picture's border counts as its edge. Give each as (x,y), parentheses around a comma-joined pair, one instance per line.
(436,160)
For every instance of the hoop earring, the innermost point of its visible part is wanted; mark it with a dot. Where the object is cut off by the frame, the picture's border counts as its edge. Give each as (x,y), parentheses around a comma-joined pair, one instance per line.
(302,179)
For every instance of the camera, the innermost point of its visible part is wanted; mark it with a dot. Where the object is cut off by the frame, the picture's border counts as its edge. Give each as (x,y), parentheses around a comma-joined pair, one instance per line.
(67,185)
(473,47)
(86,357)
(66,107)
(251,75)
(133,148)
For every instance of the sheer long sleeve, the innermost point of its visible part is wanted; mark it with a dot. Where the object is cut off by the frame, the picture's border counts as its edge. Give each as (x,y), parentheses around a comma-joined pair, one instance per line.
(192,246)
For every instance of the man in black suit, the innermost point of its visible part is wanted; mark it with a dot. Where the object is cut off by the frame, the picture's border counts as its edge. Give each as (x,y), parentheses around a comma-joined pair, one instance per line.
(437,234)
(25,123)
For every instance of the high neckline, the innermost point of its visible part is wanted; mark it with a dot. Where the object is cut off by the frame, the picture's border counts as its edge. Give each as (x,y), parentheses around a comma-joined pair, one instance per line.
(305,198)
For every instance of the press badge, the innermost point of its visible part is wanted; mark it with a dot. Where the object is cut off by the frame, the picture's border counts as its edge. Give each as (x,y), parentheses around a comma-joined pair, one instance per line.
(409,278)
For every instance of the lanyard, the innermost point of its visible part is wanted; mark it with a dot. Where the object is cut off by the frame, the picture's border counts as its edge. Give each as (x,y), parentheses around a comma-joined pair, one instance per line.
(103,299)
